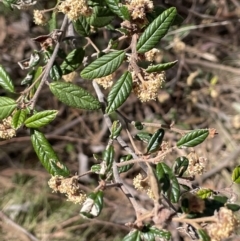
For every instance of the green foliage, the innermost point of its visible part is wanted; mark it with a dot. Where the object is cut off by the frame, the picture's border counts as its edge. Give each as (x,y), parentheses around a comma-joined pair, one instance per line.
(18,118)
(47,155)
(155,141)
(7,106)
(41,119)
(73,61)
(120,11)
(5,80)
(82,26)
(180,166)
(120,92)
(236,175)
(104,65)
(193,138)
(160,67)
(92,207)
(169,182)
(74,96)
(156,30)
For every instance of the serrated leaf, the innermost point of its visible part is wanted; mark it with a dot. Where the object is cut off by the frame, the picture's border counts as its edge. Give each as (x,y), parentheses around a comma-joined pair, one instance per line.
(18,118)
(155,141)
(119,92)
(156,30)
(159,10)
(73,61)
(236,174)
(160,67)
(100,17)
(5,80)
(104,65)
(121,11)
(81,26)
(193,138)
(46,154)
(166,176)
(93,205)
(41,119)
(203,235)
(204,193)
(133,236)
(29,77)
(74,96)
(7,106)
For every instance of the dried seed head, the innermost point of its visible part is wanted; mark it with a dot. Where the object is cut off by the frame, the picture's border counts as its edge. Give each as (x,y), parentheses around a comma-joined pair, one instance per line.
(139,8)
(225,225)
(6,129)
(196,164)
(148,89)
(69,186)
(105,81)
(75,8)
(39,18)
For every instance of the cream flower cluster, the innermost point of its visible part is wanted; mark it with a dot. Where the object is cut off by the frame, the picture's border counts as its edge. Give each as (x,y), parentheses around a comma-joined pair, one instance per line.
(225,225)
(148,89)
(139,8)
(75,8)
(68,186)
(6,129)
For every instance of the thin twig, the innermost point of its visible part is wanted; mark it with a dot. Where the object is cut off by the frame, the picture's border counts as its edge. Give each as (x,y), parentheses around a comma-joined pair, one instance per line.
(49,65)
(17,227)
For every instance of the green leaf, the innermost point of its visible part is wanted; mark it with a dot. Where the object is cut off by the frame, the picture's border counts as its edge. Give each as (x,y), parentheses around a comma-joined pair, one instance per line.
(156,30)
(55,72)
(116,129)
(134,235)
(46,154)
(169,181)
(127,167)
(74,96)
(29,77)
(203,235)
(108,157)
(7,106)
(100,17)
(193,138)
(236,175)
(159,10)
(81,26)
(5,80)
(41,119)
(18,118)
(104,65)
(180,165)
(233,207)
(160,233)
(52,23)
(138,125)
(121,11)
(93,205)
(155,141)
(160,67)
(72,61)
(143,136)
(119,92)
(204,193)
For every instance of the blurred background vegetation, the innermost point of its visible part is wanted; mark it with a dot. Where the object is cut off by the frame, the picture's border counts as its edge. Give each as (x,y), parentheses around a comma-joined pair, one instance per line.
(201,91)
